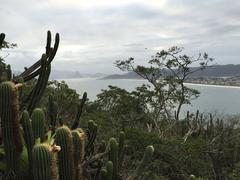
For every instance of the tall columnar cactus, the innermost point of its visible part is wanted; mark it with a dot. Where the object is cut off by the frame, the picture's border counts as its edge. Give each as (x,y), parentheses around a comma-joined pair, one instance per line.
(10,126)
(63,139)
(109,167)
(52,111)
(35,95)
(28,137)
(78,151)
(121,149)
(103,174)
(2,37)
(27,130)
(113,156)
(79,111)
(38,124)
(44,163)
(91,134)
(145,161)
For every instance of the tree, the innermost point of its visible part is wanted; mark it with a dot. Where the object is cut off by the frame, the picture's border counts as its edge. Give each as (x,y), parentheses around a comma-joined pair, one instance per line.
(166,74)
(5,69)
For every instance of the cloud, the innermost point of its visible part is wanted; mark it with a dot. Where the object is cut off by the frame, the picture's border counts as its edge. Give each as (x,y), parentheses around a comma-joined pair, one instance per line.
(96,33)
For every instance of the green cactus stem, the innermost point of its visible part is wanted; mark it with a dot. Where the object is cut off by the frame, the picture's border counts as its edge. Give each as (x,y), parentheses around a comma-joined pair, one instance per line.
(91,134)
(121,150)
(34,70)
(2,37)
(38,124)
(109,167)
(44,163)
(52,111)
(113,156)
(28,137)
(36,93)
(79,111)
(78,149)
(63,139)
(103,174)
(10,126)
(145,160)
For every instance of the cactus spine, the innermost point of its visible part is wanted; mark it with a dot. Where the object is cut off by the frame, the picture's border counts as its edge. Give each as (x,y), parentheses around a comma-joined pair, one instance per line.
(78,147)
(38,124)
(10,126)
(44,163)
(63,139)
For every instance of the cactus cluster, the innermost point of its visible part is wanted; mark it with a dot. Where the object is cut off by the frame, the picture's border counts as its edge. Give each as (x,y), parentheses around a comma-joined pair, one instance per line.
(53,151)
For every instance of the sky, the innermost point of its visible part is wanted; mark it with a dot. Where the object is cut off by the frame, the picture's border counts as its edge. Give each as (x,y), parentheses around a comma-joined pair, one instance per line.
(96,33)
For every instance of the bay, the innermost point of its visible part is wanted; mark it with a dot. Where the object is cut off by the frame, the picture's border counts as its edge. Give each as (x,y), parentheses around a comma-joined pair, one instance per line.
(213,99)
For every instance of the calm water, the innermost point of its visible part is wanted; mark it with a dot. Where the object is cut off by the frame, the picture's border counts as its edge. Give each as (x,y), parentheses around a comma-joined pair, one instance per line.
(224,100)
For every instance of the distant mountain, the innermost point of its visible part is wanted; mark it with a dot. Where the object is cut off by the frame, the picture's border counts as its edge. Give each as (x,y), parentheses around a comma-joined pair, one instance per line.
(228,70)
(57,74)
(129,75)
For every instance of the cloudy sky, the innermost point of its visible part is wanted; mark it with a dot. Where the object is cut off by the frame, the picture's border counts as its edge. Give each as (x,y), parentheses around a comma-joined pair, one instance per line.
(95,33)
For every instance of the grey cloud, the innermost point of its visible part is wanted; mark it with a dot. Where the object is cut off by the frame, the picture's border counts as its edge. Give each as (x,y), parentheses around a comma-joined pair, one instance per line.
(103,34)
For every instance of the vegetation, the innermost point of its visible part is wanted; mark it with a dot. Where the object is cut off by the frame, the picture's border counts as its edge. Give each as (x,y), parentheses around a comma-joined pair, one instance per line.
(47,131)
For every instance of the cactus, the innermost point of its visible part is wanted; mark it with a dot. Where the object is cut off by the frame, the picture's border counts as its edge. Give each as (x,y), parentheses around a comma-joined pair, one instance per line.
(10,126)
(52,110)
(38,124)
(121,150)
(79,111)
(2,37)
(113,156)
(103,174)
(145,160)
(35,69)
(63,139)
(102,147)
(109,167)
(91,133)
(28,137)
(44,163)
(40,86)
(27,129)
(78,148)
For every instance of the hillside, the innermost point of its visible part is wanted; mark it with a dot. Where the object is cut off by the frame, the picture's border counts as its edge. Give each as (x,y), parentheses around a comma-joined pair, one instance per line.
(229,70)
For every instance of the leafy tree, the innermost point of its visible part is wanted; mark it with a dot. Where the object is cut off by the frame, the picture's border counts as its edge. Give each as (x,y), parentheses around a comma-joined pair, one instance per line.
(166,74)
(123,106)
(5,69)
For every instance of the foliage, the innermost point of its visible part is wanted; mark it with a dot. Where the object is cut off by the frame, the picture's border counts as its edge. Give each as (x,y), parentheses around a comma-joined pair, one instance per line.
(166,73)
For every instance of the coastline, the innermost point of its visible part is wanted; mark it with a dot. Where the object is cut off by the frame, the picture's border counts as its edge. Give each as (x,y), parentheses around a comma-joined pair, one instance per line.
(213,85)
(131,79)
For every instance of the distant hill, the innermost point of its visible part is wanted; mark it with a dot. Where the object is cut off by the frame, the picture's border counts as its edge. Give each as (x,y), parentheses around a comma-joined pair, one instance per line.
(228,70)
(129,75)
(57,74)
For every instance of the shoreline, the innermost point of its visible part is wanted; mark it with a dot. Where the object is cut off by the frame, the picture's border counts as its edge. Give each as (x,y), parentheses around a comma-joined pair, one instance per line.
(187,83)
(213,85)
